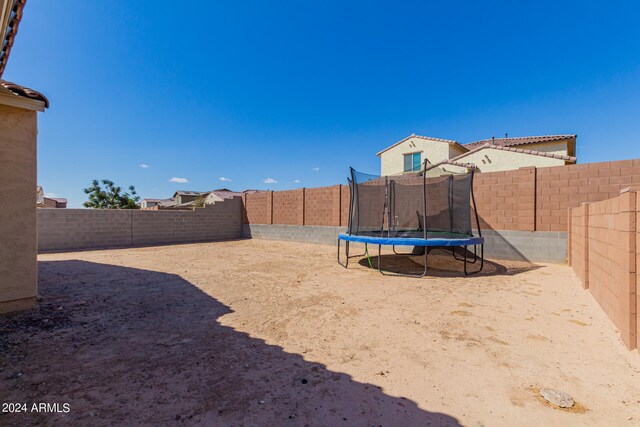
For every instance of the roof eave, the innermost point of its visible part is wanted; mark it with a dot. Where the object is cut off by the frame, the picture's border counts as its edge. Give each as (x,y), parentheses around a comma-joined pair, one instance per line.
(12,99)
(10,16)
(450,142)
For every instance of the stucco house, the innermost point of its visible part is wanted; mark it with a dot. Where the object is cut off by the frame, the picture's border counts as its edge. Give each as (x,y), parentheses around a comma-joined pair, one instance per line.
(148,203)
(185,196)
(39,196)
(54,203)
(186,199)
(19,107)
(495,154)
(189,199)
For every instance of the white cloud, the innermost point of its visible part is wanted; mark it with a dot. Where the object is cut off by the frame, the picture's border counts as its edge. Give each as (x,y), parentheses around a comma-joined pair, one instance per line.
(144,165)
(222,178)
(51,195)
(297,181)
(179,180)
(316,169)
(270,181)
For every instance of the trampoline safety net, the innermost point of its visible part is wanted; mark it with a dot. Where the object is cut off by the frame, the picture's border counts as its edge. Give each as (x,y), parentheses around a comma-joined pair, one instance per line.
(411,206)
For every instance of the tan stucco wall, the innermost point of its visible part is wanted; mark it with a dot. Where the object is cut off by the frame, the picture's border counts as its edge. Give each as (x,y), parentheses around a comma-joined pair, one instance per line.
(557,147)
(491,160)
(392,160)
(18,241)
(211,199)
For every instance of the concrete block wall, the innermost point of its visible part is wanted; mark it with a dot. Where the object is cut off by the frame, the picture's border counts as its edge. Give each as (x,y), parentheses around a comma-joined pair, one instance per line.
(604,254)
(506,200)
(578,243)
(322,206)
(258,208)
(505,245)
(325,235)
(527,199)
(533,246)
(523,213)
(345,198)
(562,187)
(288,207)
(79,229)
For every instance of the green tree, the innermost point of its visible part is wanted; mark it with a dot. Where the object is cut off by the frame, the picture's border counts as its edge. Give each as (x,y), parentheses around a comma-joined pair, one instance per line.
(110,197)
(199,202)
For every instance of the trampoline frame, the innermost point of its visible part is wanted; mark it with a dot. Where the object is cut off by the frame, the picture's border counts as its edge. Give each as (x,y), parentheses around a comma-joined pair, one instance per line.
(424,242)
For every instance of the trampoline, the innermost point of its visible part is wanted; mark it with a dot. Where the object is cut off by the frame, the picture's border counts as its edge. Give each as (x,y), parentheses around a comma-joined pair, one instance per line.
(414,210)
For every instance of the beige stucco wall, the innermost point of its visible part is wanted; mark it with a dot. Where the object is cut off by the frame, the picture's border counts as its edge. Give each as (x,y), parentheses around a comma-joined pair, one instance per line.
(392,160)
(491,160)
(556,147)
(18,241)
(211,199)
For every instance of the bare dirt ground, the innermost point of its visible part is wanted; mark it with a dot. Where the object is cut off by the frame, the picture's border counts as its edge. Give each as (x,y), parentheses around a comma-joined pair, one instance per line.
(263,333)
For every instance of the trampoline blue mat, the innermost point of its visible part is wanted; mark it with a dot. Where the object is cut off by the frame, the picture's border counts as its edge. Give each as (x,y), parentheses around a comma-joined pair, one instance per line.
(412,241)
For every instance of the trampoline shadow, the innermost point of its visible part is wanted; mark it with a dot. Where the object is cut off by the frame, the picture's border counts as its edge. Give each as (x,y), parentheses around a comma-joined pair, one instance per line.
(441,263)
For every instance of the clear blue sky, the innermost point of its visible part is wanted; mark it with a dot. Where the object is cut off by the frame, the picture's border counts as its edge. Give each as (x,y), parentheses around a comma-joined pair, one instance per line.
(302,90)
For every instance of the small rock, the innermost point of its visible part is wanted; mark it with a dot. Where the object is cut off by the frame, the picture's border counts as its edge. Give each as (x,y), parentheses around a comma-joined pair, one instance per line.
(304,381)
(558,398)
(261,402)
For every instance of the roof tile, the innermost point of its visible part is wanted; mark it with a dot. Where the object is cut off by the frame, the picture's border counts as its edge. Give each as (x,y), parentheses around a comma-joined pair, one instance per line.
(24,92)
(521,140)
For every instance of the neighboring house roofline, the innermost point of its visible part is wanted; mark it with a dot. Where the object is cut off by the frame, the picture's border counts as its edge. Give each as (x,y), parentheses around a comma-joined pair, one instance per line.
(57,199)
(520,140)
(148,199)
(448,141)
(515,150)
(190,193)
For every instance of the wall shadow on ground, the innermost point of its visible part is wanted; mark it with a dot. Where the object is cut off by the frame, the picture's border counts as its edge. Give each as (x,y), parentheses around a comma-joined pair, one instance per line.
(441,263)
(128,346)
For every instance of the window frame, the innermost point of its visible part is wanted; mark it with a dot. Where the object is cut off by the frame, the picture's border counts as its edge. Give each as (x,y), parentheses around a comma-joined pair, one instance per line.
(413,167)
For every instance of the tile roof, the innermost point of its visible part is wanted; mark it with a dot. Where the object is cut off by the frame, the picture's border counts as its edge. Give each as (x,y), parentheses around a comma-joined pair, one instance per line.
(24,92)
(522,140)
(10,15)
(190,193)
(453,163)
(448,141)
(11,12)
(57,199)
(157,200)
(226,194)
(515,150)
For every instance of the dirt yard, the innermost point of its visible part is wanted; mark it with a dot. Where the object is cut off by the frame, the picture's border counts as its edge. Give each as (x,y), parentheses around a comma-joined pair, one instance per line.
(262,333)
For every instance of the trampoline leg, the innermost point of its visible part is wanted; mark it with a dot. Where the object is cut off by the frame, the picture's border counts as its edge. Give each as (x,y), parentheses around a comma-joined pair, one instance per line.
(465,261)
(346,263)
(412,253)
(475,257)
(424,273)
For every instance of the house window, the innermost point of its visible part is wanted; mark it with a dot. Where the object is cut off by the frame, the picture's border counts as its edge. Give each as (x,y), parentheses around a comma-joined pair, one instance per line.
(412,162)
